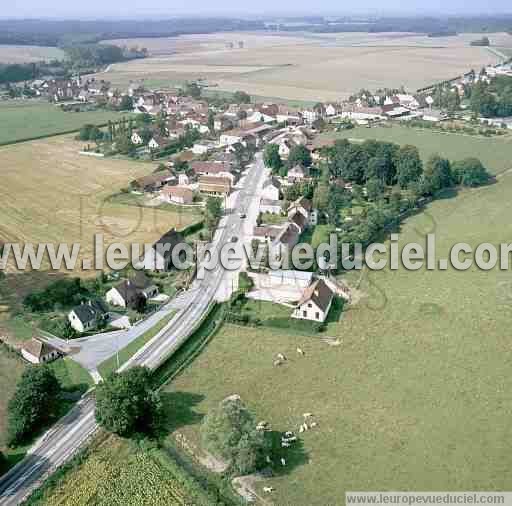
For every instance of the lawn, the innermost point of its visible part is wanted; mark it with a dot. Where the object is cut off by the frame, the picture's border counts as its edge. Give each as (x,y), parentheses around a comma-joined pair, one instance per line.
(27,54)
(71,375)
(417,393)
(118,471)
(34,118)
(110,365)
(495,152)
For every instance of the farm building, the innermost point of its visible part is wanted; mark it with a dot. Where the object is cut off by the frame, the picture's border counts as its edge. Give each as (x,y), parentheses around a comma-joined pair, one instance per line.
(37,351)
(213,185)
(178,195)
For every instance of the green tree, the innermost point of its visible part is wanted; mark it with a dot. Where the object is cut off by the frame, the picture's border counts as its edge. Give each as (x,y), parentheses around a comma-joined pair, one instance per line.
(409,165)
(213,212)
(299,155)
(33,404)
(241,97)
(126,403)
(193,90)
(437,174)
(374,188)
(211,121)
(229,431)
(470,172)
(271,158)
(125,145)
(85,132)
(126,103)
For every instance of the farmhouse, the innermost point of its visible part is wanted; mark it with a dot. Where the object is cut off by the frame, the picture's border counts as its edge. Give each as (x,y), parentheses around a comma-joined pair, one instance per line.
(159,257)
(87,316)
(158,142)
(215,185)
(37,351)
(211,168)
(178,194)
(315,303)
(152,183)
(129,291)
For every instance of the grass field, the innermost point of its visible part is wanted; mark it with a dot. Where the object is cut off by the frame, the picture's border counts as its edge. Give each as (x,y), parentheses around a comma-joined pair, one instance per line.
(33,118)
(120,472)
(495,152)
(308,66)
(418,393)
(29,54)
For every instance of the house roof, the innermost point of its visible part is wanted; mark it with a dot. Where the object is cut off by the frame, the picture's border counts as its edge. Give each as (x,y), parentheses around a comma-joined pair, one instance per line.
(153,179)
(299,219)
(318,293)
(289,235)
(172,237)
(178,191)
(272,181)
(38,348)
(302,202)
(128,288)
(210,167)
(90,311)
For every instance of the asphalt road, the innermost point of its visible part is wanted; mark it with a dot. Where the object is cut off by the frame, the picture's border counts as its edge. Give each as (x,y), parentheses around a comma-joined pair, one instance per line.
(67,436)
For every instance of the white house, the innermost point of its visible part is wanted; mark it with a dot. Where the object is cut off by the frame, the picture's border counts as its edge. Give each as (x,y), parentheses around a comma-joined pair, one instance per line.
(37,351)
(271,206)
(136,139)
(203,148)
(87,315)
(315,303)
(183,180)
(331,110)
(127,292)
(271,189)
(259,117)
(297,174)
(310,115)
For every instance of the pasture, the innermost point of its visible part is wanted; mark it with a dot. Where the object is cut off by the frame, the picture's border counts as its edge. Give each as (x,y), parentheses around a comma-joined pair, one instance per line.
(28,119)
(308,66)
(414,391)
(29,54)
(495,152)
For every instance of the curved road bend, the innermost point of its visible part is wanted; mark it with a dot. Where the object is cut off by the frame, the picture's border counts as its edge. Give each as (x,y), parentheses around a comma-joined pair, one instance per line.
(70,433)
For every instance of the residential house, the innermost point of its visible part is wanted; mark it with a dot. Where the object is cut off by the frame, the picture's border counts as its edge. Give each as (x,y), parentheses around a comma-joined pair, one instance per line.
(37,351)
(287,239)
(214,168)
(158,142)
(315,302)
(332,110)
(178,195)
(215,185)
(237,136)
(128,292)
(310,115)
(222,123)
(137,139)
(304,207)
(183,180)
(271,189)
(88,315)
(159,257)
(271,206)
(203,148)
(297,174)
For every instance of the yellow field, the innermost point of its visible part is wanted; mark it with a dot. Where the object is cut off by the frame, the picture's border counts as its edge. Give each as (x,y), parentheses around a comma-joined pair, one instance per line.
(309,66)
(50,193)
(28,54)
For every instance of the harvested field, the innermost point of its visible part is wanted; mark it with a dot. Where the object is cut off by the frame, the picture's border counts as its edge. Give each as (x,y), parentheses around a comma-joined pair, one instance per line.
(28,54)
(310,66)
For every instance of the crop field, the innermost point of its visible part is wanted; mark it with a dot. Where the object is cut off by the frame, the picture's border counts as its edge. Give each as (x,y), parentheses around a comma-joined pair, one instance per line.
(412,392)
(29,54)
(308,66)
(120,473)
(495,152)
(30,118)
(51,194)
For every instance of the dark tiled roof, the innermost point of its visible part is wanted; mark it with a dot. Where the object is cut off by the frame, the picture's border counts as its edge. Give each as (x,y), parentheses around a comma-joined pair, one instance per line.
(319,293)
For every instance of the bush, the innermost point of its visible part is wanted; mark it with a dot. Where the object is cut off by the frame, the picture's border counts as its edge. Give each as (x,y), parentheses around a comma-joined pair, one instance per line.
(66,292)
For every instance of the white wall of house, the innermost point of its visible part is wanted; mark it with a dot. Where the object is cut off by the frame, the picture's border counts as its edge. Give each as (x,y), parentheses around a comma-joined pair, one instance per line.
(310,311)
(270,192)
(53,355)
(115,298)
(77,324)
